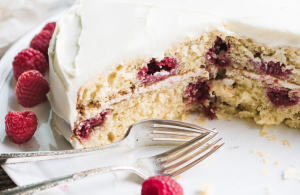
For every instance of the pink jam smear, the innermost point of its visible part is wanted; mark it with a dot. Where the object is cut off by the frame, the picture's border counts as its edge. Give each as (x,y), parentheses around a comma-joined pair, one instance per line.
(153,71)
(85,127)
(218,54)
(281,98)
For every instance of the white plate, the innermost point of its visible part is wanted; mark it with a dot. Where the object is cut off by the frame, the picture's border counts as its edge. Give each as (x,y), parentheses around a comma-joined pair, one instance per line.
(234,170)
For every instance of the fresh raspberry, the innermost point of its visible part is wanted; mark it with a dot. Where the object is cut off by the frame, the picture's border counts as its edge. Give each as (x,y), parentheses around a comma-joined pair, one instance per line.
(161,185)
(31,88)
(41,42)
(20,126)
(50,26)
(29,59)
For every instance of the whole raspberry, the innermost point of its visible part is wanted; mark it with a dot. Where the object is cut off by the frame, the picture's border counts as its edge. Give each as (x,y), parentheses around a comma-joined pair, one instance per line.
(31,88)
(50,26)
(161,185)
(41,42)
(20,126)
(29,59)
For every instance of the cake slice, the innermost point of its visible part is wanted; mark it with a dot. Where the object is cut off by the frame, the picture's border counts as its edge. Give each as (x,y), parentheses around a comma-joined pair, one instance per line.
(113,63)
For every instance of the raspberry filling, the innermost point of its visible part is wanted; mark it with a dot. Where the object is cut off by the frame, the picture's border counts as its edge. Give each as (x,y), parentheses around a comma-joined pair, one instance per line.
(219,54)
(157,70)
(272,68)
(281,98)
(85,127)
(199,92)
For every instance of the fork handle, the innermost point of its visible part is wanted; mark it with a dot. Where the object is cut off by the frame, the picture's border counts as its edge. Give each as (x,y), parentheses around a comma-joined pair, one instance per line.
(37,187)
(26,157)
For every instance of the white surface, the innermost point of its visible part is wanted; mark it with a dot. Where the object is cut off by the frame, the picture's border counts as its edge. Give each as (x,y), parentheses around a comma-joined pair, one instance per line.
(96,35)
(233,170)
(18,17)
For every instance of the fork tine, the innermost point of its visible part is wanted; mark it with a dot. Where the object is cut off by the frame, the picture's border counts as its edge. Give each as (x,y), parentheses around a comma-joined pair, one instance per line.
(177,172)
(183,153)
(185,157)
(171,139)
(184,147)
(178,133)
(184,129)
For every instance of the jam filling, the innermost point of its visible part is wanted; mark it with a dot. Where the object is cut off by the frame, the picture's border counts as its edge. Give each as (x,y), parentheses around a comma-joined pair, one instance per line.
(85,127)
(273,68)
(281,98)
(219,54)
(157,70)
(199,92)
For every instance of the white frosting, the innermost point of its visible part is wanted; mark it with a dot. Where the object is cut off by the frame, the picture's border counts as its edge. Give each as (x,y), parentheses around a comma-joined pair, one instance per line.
(95,35)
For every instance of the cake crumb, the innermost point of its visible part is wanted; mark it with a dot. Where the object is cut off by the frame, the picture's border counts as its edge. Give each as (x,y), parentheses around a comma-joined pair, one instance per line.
(264,172)
(274,131)
(177,177)
(272,138)
(185,117)
(253,150)
(292,173)
(206,189)
(213,158)
(260,153)
(129,157)
(278,163)
(286,143)
(269,190)
(200,121)
(266,160)
(263,133)
(229,119)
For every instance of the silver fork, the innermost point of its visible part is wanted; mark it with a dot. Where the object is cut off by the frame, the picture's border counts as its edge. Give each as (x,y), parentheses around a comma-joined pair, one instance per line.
(170,163)
(148,132)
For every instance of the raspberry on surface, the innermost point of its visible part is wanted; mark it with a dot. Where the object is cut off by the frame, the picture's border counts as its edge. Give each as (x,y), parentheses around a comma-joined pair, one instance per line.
(161,185)
(41,42)
(29,59)
(20,126)
(50,26)
(31,88)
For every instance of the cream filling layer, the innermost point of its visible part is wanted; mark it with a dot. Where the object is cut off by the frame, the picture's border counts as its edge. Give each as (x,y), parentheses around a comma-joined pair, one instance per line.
(269,80)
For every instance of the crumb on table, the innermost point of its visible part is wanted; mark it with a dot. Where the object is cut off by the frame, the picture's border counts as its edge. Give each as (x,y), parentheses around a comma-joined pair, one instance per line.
(205,189)
(286,143)
(272,138)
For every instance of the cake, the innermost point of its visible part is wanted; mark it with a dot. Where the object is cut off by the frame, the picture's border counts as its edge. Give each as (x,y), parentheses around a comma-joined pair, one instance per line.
(115,62)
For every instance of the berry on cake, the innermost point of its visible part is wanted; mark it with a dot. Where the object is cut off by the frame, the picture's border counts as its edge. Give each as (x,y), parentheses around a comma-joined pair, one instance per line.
(113,63)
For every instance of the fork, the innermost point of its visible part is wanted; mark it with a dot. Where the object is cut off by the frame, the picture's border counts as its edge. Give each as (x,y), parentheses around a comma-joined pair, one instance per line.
(170,163)
(148,132)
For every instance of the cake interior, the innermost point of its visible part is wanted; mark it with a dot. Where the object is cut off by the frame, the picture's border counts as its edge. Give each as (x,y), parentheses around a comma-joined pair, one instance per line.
(237,78)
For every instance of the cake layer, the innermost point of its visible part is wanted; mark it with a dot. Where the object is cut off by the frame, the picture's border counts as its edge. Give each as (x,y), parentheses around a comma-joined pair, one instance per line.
(266,100)
(168,102)
(93,109)
(281,62)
